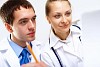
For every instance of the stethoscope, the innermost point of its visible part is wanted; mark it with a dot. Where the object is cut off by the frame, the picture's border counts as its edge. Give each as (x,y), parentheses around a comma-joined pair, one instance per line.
(56,54)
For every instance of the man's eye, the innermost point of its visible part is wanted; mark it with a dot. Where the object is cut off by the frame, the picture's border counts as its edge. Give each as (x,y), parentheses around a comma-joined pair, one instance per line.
(23,22)
(33,19)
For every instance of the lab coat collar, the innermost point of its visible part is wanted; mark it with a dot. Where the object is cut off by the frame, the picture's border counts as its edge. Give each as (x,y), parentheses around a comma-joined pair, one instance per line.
(76,31)
(36,49)
(8,53)
(54,40)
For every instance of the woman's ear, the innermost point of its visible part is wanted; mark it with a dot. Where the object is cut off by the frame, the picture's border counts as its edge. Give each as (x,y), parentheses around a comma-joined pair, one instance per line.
(48,19)
(8,27)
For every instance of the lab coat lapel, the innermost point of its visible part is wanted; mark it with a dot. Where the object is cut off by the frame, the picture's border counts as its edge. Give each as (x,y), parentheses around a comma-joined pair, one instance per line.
(11,58)
(36,51)
(9,55)
(78,47)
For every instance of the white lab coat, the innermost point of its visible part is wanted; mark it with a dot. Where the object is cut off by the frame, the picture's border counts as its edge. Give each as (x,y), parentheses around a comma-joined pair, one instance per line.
(8,58)
(70,53)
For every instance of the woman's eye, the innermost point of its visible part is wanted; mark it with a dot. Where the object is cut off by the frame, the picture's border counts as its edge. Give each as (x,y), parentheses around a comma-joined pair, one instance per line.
(68,13)
(57,16)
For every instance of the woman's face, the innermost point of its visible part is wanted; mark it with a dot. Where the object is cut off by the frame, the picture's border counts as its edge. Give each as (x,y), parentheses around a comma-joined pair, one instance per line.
(60,16)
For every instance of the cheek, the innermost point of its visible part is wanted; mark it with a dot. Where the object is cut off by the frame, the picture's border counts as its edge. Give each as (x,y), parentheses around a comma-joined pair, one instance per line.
(70,18)
(18,30)
(35,26)
(54,23)
(20,33)
(55,26)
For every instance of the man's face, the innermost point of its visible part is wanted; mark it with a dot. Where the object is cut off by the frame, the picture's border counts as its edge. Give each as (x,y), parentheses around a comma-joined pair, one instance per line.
(24,25)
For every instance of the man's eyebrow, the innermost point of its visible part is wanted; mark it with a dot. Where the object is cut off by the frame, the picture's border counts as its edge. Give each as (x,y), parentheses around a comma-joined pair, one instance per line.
(26,18)
(23,19)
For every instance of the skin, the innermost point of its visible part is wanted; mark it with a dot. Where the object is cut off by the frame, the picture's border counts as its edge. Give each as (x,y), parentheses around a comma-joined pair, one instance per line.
(60,18)
(40,64)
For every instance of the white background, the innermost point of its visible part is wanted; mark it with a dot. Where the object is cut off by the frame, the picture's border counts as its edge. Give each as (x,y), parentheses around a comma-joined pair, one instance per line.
(79,8)
(91,38)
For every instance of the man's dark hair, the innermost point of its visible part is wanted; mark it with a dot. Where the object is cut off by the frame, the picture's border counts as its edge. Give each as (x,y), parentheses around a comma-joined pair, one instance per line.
(8,8)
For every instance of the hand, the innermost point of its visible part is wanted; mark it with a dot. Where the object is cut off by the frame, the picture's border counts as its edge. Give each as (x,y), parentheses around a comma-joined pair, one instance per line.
(40,64)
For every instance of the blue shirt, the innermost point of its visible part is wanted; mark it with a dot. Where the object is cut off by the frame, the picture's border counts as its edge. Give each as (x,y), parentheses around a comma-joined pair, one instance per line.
(18,49)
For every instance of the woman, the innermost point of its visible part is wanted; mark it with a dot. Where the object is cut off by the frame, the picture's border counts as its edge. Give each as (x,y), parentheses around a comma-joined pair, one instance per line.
(64,46)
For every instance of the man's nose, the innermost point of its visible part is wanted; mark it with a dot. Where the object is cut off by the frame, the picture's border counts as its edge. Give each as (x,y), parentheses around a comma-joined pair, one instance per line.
(31,24)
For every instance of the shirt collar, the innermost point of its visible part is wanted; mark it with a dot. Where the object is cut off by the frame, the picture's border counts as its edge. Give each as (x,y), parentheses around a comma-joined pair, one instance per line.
(17,49)
(76,31)
(54,40)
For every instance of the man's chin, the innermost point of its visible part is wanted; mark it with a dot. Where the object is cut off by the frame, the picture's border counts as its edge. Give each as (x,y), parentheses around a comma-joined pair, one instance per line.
(30,39)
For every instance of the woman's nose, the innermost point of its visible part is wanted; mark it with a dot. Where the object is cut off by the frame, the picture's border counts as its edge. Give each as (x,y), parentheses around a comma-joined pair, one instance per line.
(64,19)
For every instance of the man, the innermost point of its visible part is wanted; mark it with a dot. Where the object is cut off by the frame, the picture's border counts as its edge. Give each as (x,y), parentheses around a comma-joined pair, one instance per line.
(20,20)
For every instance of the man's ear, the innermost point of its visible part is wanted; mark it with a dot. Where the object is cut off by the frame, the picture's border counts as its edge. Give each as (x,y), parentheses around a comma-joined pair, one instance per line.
(48,19)
(8,27)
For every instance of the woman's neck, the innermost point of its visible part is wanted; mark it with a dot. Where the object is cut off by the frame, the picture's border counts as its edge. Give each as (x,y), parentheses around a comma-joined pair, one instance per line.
(62,36)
